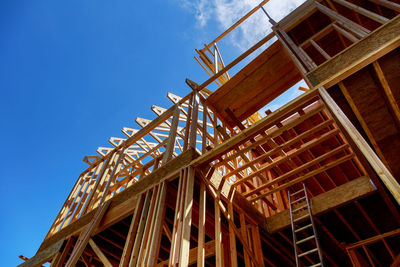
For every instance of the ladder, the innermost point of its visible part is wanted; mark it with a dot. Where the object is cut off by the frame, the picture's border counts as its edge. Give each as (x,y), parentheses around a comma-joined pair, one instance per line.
(301,220)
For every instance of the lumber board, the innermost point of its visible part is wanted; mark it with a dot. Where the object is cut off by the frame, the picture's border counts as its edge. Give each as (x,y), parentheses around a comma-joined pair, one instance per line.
(100,253)
(327,201)
(263,79)
(297,16)
(123,204)
(360,54)
(44,255)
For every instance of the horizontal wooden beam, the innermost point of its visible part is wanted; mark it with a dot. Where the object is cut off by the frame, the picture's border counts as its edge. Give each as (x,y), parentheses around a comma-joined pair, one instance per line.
(123,204)
(360,54)
(373,239)
(256,127)
(327,201)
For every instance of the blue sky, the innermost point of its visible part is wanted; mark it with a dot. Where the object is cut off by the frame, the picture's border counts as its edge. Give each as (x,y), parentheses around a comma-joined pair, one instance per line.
(72,74)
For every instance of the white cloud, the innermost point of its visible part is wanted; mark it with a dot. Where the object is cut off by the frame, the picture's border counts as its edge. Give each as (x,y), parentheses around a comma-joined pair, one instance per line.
(227,12)
(201,9)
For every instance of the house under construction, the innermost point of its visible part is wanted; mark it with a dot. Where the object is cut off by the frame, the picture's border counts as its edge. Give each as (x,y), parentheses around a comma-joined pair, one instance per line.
(216,180)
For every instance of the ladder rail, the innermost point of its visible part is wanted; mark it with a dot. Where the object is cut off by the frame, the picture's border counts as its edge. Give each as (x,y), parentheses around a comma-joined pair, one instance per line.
(293,229)
(313,226)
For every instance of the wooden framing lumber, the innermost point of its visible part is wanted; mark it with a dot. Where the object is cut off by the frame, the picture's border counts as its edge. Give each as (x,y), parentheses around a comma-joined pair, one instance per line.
(209,248)
(123,204)
(201,226)
(373,239)
(130,239)
(44,255)
(389,4)
(376,44)
(237,23)
(361,121)
(86,234)
(187,219)
(393,106)
(357,29)
(100,254)
(380,168)
(218,235)
(332,199)
(363,11)
(226,145)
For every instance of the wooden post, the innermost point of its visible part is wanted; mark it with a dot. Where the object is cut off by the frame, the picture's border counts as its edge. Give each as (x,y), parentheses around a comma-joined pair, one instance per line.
(126,254)
(139,234)
(170,147)
(202,222)
(157,229)
(218,235)
(187,219)
(243,230)
(232,239)
(193,124)
(177,228)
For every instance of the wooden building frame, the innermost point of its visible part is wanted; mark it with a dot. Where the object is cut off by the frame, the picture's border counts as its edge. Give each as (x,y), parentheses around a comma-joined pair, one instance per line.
(206,182)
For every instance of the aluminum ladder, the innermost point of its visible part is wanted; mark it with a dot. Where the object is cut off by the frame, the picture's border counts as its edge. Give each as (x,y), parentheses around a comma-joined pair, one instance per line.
(300,213)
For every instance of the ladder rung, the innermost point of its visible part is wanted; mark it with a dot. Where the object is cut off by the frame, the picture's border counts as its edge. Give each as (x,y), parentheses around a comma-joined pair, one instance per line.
(299,208)
(299,199)
(315,265)
(303,228)
(308,252)
(305,239)
(301,218)
(295,193)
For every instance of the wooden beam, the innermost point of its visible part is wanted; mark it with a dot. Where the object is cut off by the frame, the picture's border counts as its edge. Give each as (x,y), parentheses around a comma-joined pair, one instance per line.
(232,240)
(355,57)
(396,261)
(320,50)
(373,239)
(362,121)
(201,226)
(130,239)
(187,219)
(44,255)
(100,253)
(237,23)
(327,201)
(256,127)
(218,235)
(363,11)
(357,29)
(345,33)
(58,260)
(384,174)
(393,106)
(389,4)
(85,235)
